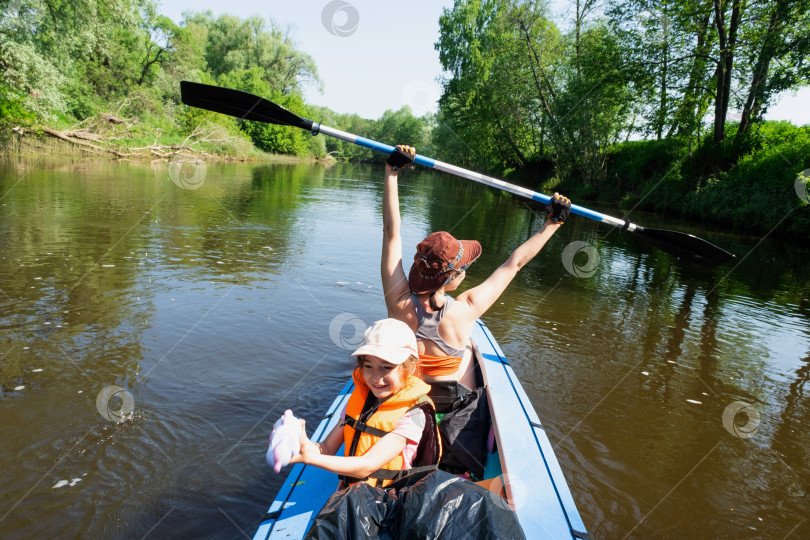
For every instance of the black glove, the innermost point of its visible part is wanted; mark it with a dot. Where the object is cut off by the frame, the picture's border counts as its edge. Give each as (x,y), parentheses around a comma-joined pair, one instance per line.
(558,208)
(401,157)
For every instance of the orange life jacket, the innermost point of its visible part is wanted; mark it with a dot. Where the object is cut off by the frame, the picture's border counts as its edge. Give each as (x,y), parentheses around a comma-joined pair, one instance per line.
(366,424)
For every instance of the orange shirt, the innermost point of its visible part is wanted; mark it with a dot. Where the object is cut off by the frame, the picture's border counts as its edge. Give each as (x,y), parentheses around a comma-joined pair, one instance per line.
(438,366)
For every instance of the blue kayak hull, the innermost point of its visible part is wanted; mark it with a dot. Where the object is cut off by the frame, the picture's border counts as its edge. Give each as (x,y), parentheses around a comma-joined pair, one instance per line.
(525,464)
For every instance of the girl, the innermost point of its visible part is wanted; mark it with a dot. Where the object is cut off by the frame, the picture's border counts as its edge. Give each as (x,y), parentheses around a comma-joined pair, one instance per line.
(443,325)
(390,427)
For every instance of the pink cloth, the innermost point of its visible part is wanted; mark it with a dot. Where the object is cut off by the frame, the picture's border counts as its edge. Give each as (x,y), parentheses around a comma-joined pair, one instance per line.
(409,426)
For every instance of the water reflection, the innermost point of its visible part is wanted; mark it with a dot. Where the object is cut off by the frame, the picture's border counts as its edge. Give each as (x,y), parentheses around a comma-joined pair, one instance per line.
(215,308)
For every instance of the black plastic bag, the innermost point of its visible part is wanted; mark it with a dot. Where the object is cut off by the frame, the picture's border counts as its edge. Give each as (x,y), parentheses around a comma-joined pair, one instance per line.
(429,505)
(464,435)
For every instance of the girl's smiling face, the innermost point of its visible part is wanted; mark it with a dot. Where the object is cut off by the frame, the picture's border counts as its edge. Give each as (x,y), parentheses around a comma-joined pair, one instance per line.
(383,378)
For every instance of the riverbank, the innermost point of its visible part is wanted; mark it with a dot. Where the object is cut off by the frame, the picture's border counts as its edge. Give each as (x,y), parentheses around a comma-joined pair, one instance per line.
(37,143)
(759,188)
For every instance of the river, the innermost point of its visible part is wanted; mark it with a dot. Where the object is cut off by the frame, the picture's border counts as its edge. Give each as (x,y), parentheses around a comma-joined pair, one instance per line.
(676,397)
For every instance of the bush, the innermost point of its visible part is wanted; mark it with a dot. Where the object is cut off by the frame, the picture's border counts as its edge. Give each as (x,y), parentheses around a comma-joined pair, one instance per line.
(13,110)
(749,183)
(38,83)
(760,189)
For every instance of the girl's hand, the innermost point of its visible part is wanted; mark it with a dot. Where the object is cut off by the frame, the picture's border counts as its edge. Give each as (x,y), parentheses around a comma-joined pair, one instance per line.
(308,448)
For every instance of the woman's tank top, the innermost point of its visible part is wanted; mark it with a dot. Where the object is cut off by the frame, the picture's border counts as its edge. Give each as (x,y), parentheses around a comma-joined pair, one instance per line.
(428,326)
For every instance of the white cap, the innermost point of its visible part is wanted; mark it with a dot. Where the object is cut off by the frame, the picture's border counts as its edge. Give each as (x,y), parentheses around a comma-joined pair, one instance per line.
(389,339)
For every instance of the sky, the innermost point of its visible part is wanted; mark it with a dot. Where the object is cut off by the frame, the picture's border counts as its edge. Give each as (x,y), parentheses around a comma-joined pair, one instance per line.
(376,55)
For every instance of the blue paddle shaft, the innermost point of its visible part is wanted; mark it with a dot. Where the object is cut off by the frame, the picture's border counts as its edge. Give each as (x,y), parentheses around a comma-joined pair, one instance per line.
(470,175)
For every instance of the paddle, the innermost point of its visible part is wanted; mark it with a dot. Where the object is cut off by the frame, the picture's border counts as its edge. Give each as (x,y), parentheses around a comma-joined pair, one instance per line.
(250,107)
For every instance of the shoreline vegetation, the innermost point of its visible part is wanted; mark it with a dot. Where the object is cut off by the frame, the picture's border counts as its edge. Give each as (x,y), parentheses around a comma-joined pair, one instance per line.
(655,110)
(33,147)
(46,141)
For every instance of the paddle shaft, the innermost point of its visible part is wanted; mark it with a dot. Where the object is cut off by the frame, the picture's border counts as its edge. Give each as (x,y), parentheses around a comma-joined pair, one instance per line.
(470,175)
(254,108)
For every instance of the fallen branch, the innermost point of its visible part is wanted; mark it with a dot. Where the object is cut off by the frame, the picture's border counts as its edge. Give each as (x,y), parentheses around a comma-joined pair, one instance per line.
(104,118)
(83,134)
(64,137)
(112,118)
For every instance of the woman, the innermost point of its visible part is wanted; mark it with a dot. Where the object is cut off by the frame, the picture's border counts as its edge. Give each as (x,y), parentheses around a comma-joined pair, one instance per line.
(442,324)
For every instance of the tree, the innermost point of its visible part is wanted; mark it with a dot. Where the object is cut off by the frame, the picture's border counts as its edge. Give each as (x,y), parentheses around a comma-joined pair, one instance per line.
(65,54)
(727,25)
(716,55)
(270,137)
(592,108)
(232,44)
(491,101)
(778,49)
(401,127)
(521,92)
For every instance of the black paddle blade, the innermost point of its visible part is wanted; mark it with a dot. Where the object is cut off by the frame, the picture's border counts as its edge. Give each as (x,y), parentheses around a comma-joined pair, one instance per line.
(239,104)
(686,246)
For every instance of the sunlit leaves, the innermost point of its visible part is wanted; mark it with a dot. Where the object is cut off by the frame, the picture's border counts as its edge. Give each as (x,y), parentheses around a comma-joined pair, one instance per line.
(522,92)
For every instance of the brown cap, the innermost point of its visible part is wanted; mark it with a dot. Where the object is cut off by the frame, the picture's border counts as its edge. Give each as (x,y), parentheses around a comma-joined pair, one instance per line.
(438,259)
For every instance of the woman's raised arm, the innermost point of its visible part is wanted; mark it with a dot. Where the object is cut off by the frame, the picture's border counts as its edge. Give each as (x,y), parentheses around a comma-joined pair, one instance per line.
(394,281)
(481,297)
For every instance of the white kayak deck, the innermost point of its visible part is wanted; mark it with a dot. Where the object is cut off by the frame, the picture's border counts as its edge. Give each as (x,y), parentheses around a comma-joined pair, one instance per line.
(535,485)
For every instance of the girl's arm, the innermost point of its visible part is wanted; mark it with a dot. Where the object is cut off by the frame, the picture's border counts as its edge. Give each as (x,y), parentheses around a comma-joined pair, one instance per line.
(331,444)
(356,466)
(395,282)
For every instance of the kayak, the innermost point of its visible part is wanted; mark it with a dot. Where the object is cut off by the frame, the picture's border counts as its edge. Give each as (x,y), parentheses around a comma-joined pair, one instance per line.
(521,465)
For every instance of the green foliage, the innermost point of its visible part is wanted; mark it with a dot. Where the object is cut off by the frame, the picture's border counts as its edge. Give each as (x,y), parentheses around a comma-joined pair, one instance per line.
(13,110)
(401,127)
(270,137)
(449,145)
(350,123)
(636,166)
(65,61)
(33,79)
(760,189)
(522,93)
(490,110)
(752,196)
(234,44)
(591,109)
(685,58)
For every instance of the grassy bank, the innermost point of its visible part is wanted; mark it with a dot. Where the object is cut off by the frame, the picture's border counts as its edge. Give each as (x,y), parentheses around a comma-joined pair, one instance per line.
(750,186)
(135,140)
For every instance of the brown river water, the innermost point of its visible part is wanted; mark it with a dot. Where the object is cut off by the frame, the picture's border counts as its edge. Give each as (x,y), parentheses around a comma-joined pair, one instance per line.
(676,397)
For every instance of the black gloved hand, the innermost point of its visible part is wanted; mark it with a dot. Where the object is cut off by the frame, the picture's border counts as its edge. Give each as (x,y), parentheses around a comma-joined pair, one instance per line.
(558,208)
(401,157)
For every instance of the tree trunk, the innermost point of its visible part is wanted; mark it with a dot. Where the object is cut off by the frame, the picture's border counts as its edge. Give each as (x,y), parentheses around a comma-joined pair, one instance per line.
(685,117)
(578,28)
(728,38)
(759,77)
(148,63)
(662,111)
(521,159)
(64,137)
(535,61)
